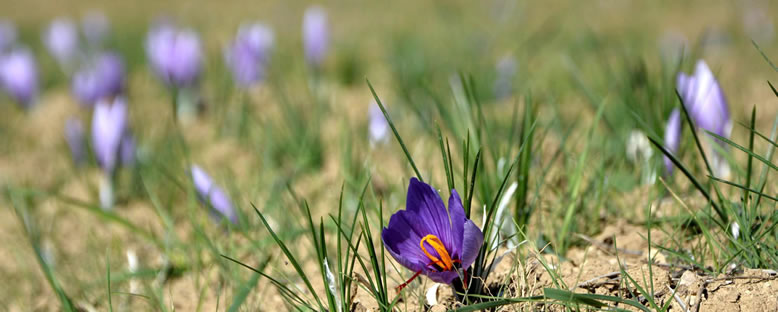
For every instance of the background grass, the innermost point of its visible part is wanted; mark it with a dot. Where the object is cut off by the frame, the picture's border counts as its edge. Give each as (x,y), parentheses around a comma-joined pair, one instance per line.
(288,141)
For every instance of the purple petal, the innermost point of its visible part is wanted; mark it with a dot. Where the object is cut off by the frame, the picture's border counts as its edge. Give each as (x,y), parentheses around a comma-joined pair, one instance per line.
(212,194)
(672,137)
(61,39)
(315,35)
(174,54)
(249,53)
(471,244)
(378,128)
(102,77)
(705,100)
(457,213)
(432,216)
(109,123)
(19,76)
(127,150)
(446,277)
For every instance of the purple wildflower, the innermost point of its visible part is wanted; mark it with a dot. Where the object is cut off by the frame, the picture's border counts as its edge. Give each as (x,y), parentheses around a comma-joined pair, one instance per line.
(175,54)
(672,137)
(429,240)
(19,76)
(74,135)
(248,55)
(378,128)
(61,39)
(704,100)
(109,126)
(127,150)
(212,195)
(101,77)
(315,35)
(707,106)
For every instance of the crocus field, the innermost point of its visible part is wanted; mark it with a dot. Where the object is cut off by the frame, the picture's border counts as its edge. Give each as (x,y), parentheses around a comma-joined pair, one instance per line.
(500,155)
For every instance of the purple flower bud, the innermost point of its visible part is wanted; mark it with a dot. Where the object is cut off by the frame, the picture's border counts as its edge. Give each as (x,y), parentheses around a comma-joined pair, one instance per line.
(506,71)
(315,35)
(74,135)
(19,76)
(109,126)
(95,27)
(61,39)
(101,77)
(212,195)
(672,138)
(7,34)
(704,100)
(378,127)
(248,55)
(175,54)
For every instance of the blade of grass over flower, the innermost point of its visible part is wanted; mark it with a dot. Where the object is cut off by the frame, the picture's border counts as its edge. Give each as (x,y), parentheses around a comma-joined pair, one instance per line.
(290,257)
(745,150)
(719,209)
(394,130)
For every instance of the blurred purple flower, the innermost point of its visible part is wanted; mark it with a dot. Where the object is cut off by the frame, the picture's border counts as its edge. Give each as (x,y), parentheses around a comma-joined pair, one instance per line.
(127,150)
(315,35)
(378,128)
(7,34)
(506,71)
(212,195)
(101,77)
(61,39)
(429,240)
(175,54)
(672,138)
(109,126)
(249,53)
(19,76)
(74,135)
(704,100)
(95,26)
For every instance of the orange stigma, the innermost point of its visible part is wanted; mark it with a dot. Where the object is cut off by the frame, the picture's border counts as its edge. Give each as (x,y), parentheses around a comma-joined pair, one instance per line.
(444,262)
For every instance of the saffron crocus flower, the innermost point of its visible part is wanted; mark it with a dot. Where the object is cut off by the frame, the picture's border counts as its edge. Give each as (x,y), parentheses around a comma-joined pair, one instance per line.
(19,76)
(427,239)
(74,135)
(95,27)
(672,138)
(249,53)
(109,126)
(212,195)
(175,54)
(127,150)
(378,128)
(101,77)
(315,35)
(61,39)
(707,106)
